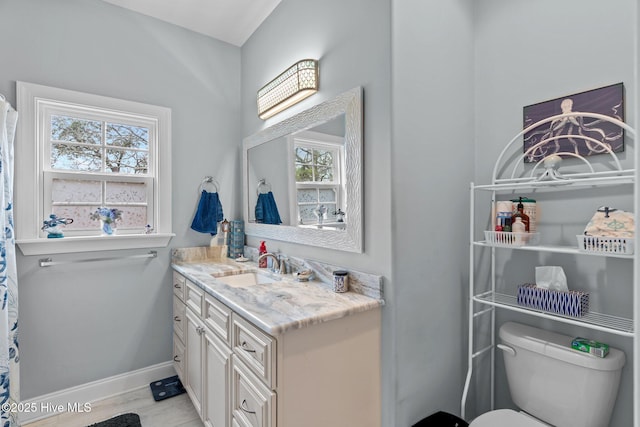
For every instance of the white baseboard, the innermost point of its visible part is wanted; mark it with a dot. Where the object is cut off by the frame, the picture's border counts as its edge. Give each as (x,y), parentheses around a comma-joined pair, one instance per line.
(75,398)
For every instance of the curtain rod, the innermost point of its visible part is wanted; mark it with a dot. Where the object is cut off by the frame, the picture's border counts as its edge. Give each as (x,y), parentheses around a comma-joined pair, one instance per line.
(47,262)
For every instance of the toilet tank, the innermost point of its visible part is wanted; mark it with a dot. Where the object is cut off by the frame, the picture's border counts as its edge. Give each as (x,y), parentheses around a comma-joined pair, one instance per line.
(555,383)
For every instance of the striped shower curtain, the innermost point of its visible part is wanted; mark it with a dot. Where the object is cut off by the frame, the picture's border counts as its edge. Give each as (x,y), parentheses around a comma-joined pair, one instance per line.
(9,356)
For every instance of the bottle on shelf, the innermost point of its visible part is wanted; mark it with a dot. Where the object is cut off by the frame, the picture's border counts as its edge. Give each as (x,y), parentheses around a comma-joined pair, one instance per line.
(519,230)
(507,225)
(519,213)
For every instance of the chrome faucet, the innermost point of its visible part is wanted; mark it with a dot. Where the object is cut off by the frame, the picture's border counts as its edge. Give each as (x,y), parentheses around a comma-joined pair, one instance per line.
(276,263)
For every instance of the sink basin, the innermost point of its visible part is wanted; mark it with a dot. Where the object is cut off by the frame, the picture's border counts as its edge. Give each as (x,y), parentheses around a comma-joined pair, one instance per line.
(245,279)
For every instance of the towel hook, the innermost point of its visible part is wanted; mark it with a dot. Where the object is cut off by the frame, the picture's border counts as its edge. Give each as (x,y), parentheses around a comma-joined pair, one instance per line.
(263,184)
(208,180)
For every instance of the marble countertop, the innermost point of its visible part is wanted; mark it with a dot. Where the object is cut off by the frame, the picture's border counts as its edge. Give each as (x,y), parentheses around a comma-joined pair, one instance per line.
(275,307)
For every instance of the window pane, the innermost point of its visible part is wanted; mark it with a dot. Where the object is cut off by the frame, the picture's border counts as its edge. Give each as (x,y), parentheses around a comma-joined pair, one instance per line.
(307,216)
(307,196)
(124,161)
(80,215)
(72,191)
(323,158)
(126,192)
(72,129)
(304,173)
(327,195)
(303,155)
(127,136)
(324,173)
(75,157)
(133,217)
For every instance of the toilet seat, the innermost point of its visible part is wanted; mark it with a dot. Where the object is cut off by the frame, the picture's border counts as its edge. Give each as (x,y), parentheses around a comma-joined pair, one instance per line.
(505,418)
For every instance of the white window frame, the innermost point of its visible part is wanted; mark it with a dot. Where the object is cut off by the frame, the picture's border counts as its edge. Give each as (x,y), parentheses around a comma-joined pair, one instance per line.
(33,173)
(316,140)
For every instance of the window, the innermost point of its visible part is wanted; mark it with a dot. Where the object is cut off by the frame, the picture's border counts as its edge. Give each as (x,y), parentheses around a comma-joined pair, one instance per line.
(88,151)
(318,176)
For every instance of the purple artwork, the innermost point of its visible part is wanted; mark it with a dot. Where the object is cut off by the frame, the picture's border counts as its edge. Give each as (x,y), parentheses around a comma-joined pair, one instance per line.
(607,100)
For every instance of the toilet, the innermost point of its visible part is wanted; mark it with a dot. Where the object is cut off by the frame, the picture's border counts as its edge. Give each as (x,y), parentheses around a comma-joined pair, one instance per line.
(553,384)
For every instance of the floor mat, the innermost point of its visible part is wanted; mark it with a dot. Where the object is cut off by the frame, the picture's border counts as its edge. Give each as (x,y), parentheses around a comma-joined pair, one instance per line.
(124,420)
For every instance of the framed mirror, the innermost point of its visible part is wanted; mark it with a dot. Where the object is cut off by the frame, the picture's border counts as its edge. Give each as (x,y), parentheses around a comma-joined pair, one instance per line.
(302,177)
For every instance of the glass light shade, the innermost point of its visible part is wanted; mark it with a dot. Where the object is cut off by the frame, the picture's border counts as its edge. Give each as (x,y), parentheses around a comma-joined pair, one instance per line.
(292,86)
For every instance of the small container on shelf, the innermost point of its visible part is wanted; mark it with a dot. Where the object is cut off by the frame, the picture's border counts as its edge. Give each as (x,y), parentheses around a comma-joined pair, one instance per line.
(605,245)
(508,238)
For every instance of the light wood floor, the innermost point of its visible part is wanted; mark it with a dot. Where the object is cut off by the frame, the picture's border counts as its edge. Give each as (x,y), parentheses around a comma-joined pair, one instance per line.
(173,412)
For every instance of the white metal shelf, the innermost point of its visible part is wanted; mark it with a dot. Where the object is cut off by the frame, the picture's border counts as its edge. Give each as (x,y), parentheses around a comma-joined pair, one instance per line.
(553,248)
(511,174)
(562,185)
(593,320)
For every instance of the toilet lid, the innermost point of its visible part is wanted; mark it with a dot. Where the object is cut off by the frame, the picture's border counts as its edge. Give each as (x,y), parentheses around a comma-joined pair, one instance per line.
(505,418)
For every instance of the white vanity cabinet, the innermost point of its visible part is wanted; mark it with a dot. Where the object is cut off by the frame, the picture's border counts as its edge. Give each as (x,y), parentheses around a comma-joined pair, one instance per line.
(237,375)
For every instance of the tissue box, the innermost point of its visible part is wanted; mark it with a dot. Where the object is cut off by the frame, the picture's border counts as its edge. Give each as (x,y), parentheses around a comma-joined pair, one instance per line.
(566,303)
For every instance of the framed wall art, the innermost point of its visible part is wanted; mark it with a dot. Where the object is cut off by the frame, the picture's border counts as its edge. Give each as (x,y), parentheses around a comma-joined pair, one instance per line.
(608,100)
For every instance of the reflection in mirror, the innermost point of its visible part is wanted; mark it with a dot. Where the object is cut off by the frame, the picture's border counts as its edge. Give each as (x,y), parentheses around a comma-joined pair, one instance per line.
(303,176)
(304,172)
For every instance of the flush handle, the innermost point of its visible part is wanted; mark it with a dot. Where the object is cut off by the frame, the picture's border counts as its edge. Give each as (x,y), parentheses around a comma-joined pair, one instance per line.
(507,349)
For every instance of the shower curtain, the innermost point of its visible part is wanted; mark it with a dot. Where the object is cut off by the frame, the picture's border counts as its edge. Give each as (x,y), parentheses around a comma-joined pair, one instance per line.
(9,357)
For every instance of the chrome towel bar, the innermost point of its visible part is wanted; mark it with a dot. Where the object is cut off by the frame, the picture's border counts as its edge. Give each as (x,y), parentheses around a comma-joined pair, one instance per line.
(48,262)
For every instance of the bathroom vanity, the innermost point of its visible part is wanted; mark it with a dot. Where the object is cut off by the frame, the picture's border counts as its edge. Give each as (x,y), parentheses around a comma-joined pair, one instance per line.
(255,349)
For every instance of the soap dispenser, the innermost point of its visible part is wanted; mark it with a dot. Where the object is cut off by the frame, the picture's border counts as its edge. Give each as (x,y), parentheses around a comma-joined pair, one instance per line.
(262,263)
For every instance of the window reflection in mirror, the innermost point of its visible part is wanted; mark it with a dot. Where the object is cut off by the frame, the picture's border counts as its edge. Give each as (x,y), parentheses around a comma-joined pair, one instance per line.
(305,172)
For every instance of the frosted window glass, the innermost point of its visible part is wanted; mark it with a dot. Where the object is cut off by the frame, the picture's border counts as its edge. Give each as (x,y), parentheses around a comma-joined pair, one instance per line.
(80,215)
(126,192)
(71,191)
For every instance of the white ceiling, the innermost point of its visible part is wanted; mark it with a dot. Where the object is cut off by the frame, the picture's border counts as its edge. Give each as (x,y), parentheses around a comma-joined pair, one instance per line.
(232,21)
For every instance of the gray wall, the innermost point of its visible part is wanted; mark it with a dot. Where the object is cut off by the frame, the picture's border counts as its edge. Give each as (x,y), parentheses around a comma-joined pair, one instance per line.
(432,164)
(353,47)
(85,322)
(527,52)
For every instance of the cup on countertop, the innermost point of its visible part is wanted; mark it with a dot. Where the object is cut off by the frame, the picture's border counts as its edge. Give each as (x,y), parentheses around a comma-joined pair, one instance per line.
(340,281)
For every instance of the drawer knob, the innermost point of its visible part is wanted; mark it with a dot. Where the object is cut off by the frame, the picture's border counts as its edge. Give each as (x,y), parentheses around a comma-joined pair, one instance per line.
(177,318)
(177,286)
(246,347)
(200,330)
(243,406)
(176,358)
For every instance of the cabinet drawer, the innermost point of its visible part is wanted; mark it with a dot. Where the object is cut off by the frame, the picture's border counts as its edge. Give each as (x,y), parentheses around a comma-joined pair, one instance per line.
(179,285)
(194,297)
(252,404)
(218,317)
(178,356)
(256,349)
(178,317)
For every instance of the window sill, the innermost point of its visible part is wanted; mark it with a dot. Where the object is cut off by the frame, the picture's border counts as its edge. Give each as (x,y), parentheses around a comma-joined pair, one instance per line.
(93,243)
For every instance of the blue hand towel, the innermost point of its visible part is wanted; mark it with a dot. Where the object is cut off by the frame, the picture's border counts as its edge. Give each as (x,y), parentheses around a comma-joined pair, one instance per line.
(266,209)
(209,213)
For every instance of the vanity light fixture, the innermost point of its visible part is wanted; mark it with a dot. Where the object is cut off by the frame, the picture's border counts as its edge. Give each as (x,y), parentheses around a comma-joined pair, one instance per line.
(292,86)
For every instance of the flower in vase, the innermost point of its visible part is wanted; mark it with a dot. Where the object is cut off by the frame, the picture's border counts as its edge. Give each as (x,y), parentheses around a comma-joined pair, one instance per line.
(107,218)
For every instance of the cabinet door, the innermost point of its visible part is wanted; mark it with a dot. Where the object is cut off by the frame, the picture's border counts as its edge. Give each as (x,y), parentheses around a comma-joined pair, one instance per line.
(252,403)
(217,381)
(194,331)
(178,357)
